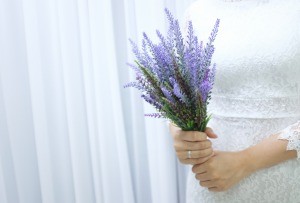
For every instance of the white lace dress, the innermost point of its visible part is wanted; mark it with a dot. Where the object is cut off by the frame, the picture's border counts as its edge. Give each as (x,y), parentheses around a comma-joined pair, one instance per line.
(256,92)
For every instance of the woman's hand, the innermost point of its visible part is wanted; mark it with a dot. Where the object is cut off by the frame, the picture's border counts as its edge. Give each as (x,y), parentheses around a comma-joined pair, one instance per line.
(223,170)
(193,141)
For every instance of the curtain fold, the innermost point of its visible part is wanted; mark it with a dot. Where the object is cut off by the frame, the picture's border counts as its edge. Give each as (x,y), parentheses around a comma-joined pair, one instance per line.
(69,131)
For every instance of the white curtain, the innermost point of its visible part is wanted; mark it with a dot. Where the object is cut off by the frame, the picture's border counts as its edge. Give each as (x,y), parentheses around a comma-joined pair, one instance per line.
(69,131)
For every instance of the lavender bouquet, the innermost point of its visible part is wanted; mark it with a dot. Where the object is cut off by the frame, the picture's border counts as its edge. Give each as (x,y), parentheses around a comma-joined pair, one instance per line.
(176,77)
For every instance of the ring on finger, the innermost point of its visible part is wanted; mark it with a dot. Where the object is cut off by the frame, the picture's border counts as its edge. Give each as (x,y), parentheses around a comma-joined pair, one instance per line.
(189,154)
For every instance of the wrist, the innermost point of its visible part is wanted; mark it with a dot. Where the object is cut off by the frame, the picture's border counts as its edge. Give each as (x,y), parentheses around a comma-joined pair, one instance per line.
(248,161)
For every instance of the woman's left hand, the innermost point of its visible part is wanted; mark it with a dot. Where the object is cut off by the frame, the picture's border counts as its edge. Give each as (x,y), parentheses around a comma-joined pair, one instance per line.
(223,170)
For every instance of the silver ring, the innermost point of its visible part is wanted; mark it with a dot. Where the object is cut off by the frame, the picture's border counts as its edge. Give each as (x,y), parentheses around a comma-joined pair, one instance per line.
(189,154)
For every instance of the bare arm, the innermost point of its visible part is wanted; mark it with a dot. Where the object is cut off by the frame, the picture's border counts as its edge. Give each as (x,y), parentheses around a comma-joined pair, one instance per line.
(225,169)
(267,153)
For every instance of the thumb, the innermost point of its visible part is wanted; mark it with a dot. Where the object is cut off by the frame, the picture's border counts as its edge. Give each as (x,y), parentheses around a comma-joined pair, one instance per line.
(210,133)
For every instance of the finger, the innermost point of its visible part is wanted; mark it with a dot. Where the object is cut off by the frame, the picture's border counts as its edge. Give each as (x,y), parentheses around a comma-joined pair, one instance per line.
(213,189)
(192,136)
(210,133)
(200,168)
(202,176)
(195,154)
(193,146)
(208,183)
(194,161)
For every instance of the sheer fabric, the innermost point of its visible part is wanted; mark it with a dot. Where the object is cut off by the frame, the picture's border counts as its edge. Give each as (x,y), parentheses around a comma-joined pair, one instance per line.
(69,131)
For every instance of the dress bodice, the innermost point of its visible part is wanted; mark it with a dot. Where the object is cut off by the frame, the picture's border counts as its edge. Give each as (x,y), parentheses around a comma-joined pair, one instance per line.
(256,91)
(257,51)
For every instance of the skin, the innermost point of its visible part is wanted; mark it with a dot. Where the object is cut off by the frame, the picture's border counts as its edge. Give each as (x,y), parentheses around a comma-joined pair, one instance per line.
(194,141)
(220,170)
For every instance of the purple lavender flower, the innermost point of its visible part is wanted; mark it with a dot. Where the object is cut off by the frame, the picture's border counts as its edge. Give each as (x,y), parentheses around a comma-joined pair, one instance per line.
(168,94)
(204,88)
(178,93)
(176,78)
(154,115)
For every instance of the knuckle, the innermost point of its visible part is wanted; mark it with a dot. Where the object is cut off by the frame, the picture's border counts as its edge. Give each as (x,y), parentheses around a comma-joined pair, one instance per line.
(215,176)
(210,165)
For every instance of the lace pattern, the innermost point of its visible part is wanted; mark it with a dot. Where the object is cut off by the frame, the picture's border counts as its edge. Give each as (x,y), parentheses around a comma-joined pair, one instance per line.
(256,91)
(292,134)
(261,107)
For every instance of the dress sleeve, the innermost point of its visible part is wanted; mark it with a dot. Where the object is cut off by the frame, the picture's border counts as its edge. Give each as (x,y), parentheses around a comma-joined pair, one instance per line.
(292,134)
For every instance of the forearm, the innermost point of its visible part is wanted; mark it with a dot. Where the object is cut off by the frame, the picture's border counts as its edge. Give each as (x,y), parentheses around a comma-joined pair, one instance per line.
(267,153)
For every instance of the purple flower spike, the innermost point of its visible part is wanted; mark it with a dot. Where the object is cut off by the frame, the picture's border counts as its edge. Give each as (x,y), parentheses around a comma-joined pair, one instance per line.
(205,87)
(167,94)
(154,115)
(175,75)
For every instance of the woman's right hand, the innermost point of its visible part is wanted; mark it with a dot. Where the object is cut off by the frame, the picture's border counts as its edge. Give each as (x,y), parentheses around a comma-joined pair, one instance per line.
(193,141)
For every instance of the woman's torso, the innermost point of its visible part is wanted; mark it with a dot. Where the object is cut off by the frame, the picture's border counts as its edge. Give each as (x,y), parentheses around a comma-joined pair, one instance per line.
(257,51)
(256,91)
